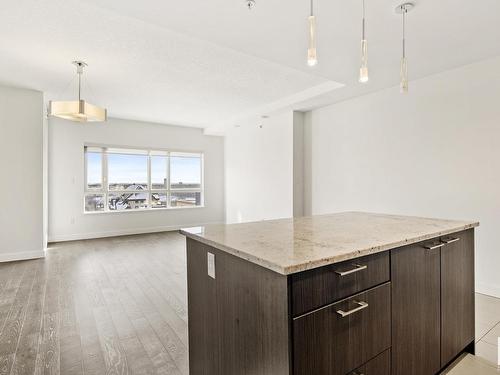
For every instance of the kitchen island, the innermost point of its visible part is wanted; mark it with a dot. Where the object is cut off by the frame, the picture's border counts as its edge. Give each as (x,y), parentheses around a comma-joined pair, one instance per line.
(347,293)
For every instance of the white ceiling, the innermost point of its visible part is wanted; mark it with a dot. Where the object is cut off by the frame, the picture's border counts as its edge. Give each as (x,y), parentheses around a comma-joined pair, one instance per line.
(213,63)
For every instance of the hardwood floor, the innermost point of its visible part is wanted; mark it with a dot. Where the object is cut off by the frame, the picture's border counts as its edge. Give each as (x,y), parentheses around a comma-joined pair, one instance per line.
(106,306)
(117,306)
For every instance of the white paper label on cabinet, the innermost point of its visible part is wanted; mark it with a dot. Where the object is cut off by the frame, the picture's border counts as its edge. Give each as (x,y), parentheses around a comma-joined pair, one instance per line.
(211,265)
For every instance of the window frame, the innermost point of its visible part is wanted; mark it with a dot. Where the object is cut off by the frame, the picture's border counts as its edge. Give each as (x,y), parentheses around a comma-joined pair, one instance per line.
(150,152)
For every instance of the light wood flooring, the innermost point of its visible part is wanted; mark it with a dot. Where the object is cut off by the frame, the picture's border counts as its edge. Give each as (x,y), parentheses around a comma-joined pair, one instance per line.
(117,306)
(107,306)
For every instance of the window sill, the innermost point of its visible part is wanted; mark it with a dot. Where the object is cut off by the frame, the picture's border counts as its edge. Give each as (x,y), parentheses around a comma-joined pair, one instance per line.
(143,210)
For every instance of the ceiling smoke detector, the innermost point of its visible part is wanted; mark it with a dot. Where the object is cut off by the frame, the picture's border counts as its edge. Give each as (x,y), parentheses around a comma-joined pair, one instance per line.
(250,4)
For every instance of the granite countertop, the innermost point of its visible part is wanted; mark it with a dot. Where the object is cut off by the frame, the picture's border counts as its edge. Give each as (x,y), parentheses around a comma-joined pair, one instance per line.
(288,246)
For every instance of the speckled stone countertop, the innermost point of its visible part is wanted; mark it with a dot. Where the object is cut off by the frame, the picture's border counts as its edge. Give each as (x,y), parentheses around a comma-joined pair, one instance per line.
(288,246)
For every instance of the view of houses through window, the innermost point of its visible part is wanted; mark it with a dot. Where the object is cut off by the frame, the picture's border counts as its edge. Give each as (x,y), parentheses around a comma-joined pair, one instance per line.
(131,179)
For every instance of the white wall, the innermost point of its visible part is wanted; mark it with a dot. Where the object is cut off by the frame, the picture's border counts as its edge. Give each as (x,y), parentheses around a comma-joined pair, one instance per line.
(298,163)
(66,178)
(259,169)
(434,152)
(21,174)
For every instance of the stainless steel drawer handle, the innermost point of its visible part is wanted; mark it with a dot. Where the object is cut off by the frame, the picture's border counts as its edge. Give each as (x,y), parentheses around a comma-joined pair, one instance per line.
(433,246)
(362,306)
(449,240)
(357,268)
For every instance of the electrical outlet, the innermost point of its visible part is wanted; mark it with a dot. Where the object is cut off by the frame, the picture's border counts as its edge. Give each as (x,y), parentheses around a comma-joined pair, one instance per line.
(211,265)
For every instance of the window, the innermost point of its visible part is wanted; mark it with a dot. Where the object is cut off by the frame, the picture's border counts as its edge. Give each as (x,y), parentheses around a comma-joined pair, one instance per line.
(130,179)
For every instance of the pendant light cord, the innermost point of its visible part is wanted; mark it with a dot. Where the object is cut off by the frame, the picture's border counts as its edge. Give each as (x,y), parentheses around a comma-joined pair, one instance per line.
(404,30)
(312,7)
(363,35)
(79,71)
(65,88)
(79,86)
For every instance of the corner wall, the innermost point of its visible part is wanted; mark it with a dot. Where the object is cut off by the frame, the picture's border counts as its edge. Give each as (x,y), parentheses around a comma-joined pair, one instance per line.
(259,169)
(298,163)
(66,178)
(21,174)
(434,152)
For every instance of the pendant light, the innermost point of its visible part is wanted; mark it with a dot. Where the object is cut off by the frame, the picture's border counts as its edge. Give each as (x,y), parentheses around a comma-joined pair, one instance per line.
(77,110)
(403,9)
(363,70)
(312,58)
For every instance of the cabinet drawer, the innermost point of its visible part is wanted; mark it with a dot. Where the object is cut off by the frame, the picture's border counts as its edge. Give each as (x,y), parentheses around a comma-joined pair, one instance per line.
(380,365)
(339,338)
(319,287)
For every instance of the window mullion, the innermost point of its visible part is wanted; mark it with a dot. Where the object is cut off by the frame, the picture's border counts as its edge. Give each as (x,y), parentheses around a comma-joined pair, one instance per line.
(84,177)
(150,184)
(202,180)
(105,178)
(168,180)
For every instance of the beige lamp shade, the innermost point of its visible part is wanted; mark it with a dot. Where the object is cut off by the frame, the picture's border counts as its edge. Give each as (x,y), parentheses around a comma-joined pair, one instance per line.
(78,110)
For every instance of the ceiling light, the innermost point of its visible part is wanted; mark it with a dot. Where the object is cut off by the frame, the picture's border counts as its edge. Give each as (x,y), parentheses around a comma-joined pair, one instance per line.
(403,9)
(77,110)
(312,58)
(363,70)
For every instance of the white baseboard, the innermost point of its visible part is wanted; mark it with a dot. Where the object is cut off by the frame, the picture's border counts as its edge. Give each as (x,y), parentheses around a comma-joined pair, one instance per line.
(488,289)
(22,255)
(122,232)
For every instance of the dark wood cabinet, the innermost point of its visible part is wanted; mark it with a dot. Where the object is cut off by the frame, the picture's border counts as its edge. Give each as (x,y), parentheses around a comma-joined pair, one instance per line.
(202,330)
(340,337)
(238,322)
(416,313)
(406,311)
(252,313)
(457,294)
(380,365)
(321,286)
(432,303)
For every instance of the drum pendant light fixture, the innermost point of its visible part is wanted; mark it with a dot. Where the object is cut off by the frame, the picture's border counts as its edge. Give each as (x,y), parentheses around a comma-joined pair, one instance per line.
(77,110)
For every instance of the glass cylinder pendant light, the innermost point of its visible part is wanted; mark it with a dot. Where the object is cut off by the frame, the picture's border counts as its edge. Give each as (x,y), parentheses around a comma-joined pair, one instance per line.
(403,9)
(77,110)
(312,58)
(363,70)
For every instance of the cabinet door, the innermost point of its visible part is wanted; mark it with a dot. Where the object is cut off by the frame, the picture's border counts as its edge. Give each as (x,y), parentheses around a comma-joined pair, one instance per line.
(416,331)
(340,337)
(457,294)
